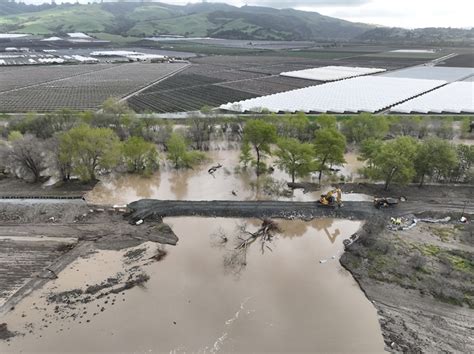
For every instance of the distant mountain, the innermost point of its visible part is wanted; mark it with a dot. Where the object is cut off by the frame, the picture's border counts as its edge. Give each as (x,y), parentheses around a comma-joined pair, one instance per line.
(144,19)
(430,35)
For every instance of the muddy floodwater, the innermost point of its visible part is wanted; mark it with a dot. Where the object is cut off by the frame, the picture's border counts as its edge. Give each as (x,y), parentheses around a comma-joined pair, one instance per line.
(226,183)
(295,297)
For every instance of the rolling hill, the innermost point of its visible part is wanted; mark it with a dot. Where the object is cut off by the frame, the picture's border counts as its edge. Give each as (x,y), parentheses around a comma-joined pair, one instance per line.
(196,20)
(217,20)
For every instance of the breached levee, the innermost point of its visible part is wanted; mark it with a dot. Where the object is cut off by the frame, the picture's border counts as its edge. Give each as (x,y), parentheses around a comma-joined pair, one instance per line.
(153,209)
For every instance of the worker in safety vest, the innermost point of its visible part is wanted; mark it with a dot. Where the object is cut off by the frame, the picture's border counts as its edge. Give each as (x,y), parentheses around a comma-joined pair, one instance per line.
(339,196)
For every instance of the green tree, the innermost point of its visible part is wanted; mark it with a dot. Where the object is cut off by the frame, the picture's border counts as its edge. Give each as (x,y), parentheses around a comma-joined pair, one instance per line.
(293,126)
(444,128)
(394,162)
(462,172)
(434,157)
(466,130)
(45,126)
(325,121)
(368,150)
(294,157)
(329,146)
(179,154)
(140,155)
(245,154)
(364,126)
(89,150)
(260,135)
(117,115)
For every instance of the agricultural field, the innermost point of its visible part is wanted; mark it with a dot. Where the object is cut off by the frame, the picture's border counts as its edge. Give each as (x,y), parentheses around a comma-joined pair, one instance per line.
(217,80)
(77,87)
(463,60)
(208,80)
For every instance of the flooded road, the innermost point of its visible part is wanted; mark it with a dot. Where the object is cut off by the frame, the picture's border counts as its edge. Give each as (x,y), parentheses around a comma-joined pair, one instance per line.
(227,183)
(293,298)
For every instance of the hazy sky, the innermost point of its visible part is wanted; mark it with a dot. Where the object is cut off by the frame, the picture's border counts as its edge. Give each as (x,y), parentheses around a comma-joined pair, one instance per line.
(400,13)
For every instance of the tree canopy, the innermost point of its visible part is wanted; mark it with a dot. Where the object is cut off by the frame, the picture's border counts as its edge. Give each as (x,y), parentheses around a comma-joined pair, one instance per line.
(364,126)
(394,161)
(140,156)
(260,135)
(90,149)
(329,146)
(294,157)
(435,158)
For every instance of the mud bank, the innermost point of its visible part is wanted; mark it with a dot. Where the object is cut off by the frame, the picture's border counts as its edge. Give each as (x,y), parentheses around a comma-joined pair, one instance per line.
(38,240)
(421,282)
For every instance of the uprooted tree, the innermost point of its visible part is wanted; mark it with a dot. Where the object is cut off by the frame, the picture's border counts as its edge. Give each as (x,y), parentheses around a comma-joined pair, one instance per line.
(236,260)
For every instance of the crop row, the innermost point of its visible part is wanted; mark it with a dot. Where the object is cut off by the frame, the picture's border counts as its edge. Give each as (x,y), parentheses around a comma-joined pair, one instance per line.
(84,91)
(188,99)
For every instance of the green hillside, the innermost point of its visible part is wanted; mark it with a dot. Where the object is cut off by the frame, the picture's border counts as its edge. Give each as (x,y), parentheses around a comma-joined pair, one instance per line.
(202,20)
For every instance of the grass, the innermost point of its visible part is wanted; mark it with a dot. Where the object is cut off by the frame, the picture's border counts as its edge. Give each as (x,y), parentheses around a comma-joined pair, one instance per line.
(196,24)
(460,263)
(81,18)
(444,233)
(429,250)
(116,39)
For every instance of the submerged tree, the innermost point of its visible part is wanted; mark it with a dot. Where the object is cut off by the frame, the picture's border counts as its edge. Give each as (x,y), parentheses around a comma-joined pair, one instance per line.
(329,146)
(294,157)
(245,154)
(179,154)
(140,156)
(260,135)
(90,149)
(435,158)
(394,162)
(365,126)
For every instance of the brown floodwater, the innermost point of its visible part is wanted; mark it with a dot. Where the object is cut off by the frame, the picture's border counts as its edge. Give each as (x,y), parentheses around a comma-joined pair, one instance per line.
(198,184)
(294,298)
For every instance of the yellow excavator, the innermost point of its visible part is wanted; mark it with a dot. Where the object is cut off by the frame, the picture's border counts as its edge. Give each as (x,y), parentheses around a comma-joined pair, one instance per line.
(331,198)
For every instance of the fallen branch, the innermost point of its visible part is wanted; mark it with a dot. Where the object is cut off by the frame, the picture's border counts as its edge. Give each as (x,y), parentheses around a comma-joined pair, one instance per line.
(214,169)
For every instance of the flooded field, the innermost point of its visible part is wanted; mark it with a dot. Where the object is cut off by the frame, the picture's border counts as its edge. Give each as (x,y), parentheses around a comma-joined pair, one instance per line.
(227,183)
(294,297)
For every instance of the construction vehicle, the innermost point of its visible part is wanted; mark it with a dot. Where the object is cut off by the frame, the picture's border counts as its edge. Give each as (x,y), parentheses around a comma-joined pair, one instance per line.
(331,199)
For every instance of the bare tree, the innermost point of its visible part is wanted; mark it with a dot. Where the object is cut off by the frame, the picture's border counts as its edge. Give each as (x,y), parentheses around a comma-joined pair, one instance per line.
(236,260)
(27,158)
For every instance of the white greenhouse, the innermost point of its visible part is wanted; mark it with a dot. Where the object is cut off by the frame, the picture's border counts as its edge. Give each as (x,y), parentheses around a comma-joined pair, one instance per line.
(457,97)
(361,94)
(331,73)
